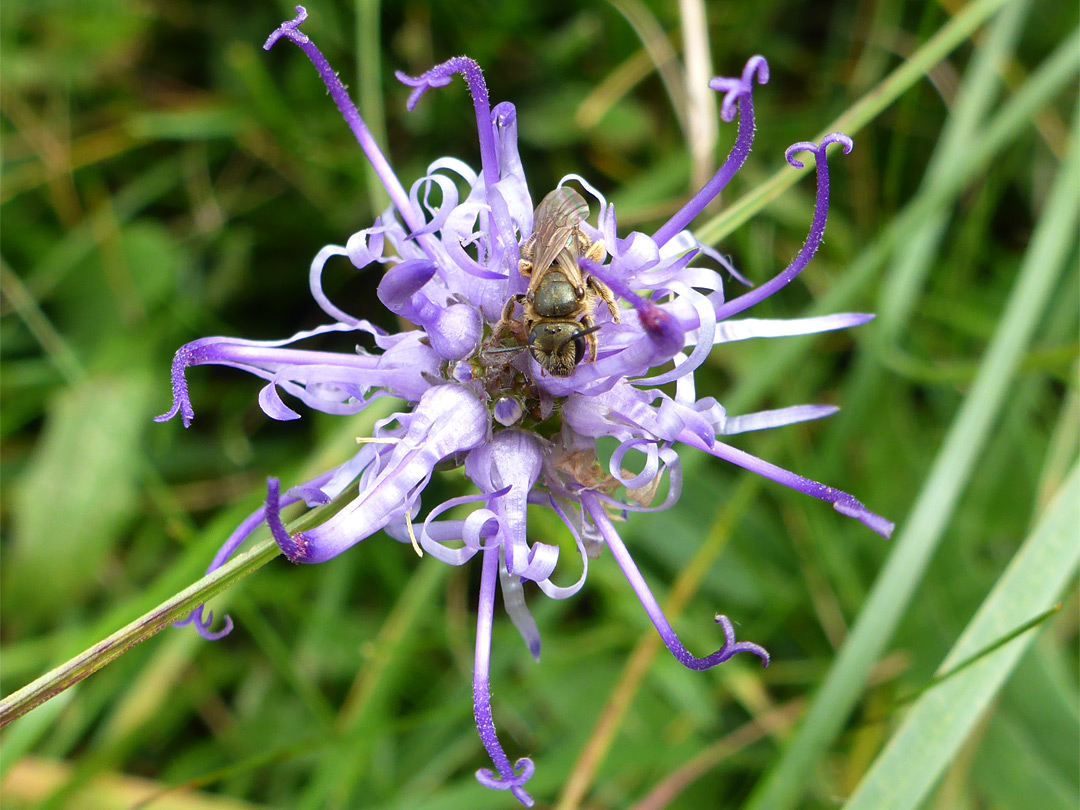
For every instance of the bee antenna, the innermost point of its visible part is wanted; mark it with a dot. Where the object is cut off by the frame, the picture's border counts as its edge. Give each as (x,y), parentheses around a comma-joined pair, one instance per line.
(582,333)
(504,351)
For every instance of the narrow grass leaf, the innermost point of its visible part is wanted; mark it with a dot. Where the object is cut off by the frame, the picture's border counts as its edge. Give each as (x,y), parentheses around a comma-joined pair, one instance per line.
(951,36)
(922,531)
(945,716)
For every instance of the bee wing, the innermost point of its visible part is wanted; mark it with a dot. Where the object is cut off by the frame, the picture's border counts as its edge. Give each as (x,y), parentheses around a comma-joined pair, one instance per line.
(553,225)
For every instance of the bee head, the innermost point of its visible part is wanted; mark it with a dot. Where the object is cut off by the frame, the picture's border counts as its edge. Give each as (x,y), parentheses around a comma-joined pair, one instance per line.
(559,346)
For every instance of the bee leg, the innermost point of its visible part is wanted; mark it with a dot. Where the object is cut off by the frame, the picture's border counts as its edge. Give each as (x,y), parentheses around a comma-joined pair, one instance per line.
(507,315)
(602,289)
(525,265)
(590,338)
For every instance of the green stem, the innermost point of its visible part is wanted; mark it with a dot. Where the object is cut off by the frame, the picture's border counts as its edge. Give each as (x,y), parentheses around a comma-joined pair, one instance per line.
(370,88)
(150,623)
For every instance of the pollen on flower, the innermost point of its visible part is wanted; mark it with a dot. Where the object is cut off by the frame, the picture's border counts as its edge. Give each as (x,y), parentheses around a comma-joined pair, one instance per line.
(538,333)
(412,534)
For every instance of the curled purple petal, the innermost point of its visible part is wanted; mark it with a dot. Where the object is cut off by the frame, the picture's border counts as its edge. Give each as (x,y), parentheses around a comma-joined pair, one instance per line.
(508,778)
(439,76)
(656,613)
(737,93)
(735,90)
(817,148)
(273,521)
(290,30)
(813,239)
(202,619)
(181,404)
(242,532)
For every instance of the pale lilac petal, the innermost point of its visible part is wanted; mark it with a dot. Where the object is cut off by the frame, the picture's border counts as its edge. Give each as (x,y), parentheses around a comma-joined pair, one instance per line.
(458,167)
(512,185)
(272,405)
(317,292)
(744,329)
(447,420)
(671,466)
(507,411)
(513,459)
(474,532)
(363,248)
(440,212)
(565,592)
(623,408)
(649,469)
(514,603)
(763,420)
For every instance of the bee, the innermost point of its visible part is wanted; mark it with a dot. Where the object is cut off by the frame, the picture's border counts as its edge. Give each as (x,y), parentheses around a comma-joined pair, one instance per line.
(557,308)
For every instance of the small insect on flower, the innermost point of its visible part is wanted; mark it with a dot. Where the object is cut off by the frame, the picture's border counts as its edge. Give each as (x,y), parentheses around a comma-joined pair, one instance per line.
(558,306)
(524,429)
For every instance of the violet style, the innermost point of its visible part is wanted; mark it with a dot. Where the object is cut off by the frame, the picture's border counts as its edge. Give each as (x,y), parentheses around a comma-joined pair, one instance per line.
(449,264)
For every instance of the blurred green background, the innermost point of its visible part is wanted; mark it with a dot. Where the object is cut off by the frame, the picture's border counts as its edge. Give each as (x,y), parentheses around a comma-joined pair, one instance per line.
(165,179)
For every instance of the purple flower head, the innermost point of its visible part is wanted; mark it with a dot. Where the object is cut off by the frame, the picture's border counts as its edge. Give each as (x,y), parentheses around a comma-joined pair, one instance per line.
(457,249)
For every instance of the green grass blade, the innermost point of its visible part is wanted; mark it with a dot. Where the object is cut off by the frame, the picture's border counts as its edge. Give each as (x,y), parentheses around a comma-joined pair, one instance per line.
(372,102)
(1004,127)
(943,718)
(951,35)
(921,532)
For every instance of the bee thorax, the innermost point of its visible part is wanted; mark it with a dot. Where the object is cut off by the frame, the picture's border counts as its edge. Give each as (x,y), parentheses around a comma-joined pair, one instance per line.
(556,297)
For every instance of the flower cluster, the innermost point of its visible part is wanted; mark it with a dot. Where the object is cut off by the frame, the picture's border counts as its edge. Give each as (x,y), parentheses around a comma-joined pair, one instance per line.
(451,264)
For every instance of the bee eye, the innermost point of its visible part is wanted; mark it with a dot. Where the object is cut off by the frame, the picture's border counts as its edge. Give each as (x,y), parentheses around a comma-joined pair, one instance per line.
(579,349)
